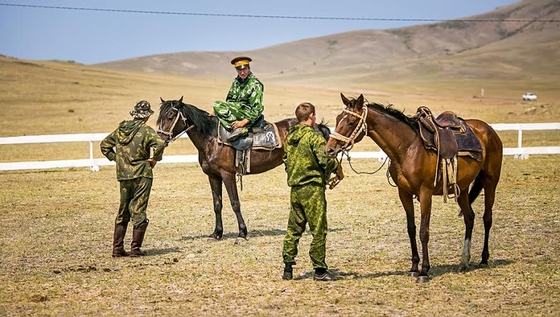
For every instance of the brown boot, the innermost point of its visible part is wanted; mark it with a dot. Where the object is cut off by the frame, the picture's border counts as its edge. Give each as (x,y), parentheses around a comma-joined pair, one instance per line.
(137,239)
(118,240)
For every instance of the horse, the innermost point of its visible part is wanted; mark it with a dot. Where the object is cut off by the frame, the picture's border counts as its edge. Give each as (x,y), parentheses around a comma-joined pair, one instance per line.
(412,168)
(217,159)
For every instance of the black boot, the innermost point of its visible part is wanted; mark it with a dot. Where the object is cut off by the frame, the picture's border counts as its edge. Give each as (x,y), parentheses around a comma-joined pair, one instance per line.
(137,239)
(118,240)
(288,272)
(322,274)
(237,133)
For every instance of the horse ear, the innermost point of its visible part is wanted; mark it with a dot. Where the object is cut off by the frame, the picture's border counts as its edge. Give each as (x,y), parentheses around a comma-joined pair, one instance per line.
(181,100)
(360,102)
(162,101)
(344,99)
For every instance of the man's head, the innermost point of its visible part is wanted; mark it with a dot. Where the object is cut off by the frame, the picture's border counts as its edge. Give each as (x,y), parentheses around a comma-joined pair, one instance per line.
(242,66)
(142,110)
(305,113)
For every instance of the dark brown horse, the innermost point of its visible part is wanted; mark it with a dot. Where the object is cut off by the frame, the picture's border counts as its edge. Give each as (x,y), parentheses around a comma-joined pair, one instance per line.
(216,159)
(413,168)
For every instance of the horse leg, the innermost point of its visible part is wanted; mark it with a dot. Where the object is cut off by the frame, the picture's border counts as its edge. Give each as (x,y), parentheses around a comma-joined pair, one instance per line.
(468,217)
(425,213)
(231,188)
(408,205)
(489,196)
(216,186)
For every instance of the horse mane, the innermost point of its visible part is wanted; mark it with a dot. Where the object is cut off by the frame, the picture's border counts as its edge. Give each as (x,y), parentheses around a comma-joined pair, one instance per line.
(324,129)
(411,121)
(202,120)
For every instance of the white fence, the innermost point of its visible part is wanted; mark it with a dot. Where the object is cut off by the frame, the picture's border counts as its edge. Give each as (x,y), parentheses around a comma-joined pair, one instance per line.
(94,163)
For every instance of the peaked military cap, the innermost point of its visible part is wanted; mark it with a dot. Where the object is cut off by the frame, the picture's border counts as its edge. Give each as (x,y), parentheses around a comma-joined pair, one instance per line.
(241,62)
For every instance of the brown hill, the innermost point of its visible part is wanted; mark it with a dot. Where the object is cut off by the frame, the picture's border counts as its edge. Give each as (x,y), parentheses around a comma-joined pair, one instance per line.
(516,41)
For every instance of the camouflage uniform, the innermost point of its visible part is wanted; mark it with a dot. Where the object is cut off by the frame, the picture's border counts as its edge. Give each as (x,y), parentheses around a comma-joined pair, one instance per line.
(130,146)
(244,101)
(308,169)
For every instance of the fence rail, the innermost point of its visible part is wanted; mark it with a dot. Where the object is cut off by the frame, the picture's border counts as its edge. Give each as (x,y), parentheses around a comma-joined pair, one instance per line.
(94,163)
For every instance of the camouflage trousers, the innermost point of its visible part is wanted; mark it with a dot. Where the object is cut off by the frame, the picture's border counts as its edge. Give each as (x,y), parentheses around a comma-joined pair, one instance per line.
(308,205)
(135,194)
(229,112)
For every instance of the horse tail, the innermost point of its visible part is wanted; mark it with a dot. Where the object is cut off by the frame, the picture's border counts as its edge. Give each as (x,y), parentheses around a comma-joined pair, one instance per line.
(476,188)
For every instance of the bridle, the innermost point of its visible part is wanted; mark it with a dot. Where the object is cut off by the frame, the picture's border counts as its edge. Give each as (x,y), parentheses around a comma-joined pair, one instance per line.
(169,133)
(361,127)
(349,141)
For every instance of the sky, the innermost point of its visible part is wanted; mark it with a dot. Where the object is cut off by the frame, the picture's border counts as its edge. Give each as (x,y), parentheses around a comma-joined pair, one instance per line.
(96,31)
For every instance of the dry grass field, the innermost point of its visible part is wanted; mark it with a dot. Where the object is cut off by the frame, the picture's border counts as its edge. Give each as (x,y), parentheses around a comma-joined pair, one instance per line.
(56,231)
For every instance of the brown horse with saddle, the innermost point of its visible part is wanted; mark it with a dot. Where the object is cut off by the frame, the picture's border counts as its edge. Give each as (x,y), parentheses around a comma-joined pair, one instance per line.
(429,156)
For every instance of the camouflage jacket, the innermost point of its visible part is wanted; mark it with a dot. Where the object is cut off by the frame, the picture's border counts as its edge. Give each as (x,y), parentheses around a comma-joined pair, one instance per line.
(130,146)
(249,93)
(305,159)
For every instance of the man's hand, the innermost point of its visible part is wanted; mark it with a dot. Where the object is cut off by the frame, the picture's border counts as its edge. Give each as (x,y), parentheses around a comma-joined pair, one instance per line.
(339,175)
(152,162)
(240,123)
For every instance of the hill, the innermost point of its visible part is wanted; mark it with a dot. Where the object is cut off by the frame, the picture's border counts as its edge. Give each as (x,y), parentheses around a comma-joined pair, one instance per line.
(516,41)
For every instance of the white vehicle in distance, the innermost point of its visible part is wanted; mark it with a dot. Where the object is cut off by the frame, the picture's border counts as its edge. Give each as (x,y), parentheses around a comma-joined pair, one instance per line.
(529,96)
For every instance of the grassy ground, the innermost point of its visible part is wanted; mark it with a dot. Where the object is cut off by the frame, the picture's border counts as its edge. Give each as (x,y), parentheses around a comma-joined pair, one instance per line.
(56,231)
(55,246)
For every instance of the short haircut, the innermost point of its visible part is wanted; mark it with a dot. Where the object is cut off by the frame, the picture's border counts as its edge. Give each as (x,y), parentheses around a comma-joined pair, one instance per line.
(304,110)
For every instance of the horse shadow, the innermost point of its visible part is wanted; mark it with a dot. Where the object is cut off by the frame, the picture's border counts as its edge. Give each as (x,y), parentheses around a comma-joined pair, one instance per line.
(435,271)
(252,234)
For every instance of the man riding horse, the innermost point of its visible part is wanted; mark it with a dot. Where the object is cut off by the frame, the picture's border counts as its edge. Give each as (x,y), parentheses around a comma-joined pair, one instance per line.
(243,106)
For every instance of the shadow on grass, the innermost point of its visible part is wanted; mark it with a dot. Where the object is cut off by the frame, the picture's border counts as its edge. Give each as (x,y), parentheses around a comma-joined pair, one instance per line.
(154,252)
(251,234)
(435,271)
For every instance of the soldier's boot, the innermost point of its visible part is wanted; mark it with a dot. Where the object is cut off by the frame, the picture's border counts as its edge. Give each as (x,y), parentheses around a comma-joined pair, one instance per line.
(137,239)
(237,133)
(118,240)
(288,272)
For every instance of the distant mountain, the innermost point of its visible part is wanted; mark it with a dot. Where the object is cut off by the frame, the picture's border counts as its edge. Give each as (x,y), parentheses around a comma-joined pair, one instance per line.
(522,39)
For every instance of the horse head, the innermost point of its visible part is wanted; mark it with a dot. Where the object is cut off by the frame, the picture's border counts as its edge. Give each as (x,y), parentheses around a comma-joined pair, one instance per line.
(350,126)
(171,122)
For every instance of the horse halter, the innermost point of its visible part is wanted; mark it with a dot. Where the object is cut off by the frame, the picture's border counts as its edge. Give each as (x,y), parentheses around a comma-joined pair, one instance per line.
(170,133)
(361,127)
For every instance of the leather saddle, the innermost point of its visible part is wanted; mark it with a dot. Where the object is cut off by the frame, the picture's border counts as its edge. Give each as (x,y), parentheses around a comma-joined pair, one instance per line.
(448,134)
(262,135)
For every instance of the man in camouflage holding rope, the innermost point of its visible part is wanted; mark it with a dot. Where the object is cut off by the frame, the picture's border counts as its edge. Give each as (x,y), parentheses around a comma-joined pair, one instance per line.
(244,101)
(131,146)
(308,169)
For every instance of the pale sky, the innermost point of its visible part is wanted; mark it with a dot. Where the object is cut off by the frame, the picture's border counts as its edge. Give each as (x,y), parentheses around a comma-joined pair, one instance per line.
(88,32)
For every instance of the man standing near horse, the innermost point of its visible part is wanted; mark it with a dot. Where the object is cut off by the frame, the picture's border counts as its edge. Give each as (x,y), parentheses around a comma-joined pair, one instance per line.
(244,101)
(308,169)
(130,146)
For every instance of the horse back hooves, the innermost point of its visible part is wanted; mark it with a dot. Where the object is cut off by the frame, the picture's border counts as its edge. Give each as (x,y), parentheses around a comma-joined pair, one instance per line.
(239,240)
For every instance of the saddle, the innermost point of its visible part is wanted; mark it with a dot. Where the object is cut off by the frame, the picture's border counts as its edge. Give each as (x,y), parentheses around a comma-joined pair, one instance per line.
(449,136)
(263,135)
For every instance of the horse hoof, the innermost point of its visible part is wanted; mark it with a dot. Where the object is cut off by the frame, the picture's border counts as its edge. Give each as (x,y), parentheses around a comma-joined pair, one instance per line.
(463,269)
(483,265)
(422,279)
(414,274)
(239,240)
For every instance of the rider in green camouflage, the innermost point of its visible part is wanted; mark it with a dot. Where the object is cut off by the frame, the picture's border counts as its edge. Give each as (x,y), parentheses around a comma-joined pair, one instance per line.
(308,169)
(244,101)
(130,146)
